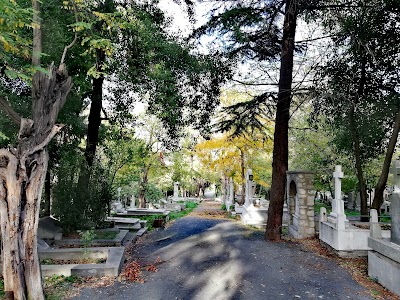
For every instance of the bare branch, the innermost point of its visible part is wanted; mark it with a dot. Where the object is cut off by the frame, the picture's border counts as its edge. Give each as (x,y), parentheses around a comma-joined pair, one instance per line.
(75,37)
(4,106)
(257,84)
(316,39)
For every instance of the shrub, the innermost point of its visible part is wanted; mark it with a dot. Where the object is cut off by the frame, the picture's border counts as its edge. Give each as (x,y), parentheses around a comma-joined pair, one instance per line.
(80,196)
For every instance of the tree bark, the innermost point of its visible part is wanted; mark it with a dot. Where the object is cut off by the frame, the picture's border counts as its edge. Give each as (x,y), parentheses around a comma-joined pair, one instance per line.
(360,176)
(281,151)
(94,120)
(142,189)
(356,142)
(380,186)
(21,183)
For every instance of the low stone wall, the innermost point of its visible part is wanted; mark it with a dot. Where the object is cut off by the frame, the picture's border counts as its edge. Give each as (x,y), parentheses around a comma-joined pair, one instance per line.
(351,241)
(384,263)
(112,267)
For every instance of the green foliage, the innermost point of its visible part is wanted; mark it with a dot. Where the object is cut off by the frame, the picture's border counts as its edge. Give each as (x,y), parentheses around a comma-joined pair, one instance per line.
(87,237)
(16,39)
(191,204)
(80,200)
(364,75)
(2,294)
(318,205)
(223,206)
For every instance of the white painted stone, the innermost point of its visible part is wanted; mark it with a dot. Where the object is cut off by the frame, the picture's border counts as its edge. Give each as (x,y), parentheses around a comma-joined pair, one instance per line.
(396,176)
(375,228)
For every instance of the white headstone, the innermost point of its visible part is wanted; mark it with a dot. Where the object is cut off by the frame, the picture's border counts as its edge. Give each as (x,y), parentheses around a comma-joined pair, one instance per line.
(396,176)
(119,194)
(176,190)
(249,187)
(337,215)
(231,190)
(375,229)
(337,204)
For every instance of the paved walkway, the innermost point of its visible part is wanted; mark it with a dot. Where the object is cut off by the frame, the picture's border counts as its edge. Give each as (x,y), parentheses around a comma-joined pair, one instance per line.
(221,259)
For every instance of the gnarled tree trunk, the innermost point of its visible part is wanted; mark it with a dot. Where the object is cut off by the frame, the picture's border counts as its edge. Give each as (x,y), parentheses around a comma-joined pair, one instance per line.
(22,175)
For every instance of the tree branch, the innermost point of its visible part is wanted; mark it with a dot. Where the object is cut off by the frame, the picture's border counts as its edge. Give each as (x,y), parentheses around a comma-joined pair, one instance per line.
(4,106)
(75,37)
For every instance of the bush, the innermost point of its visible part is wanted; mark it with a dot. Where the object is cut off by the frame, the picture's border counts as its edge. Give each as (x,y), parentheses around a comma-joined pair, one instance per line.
(191,204)
(80,196)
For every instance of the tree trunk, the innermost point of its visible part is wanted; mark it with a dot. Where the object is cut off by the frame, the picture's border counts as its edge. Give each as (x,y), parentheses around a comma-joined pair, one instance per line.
(360,176)
(22,175)
(142,189)
(356,143)
(94,120)
(281,151)
(380,186)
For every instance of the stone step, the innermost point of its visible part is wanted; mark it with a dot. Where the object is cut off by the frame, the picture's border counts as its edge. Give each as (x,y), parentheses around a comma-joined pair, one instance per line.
(123,220)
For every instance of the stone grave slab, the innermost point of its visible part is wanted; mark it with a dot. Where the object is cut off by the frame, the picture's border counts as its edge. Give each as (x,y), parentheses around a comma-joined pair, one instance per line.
(114,260)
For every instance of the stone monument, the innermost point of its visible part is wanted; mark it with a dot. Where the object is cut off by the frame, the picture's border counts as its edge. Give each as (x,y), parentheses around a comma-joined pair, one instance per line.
(176,191)
(300,199)
(249,188)
(384,258)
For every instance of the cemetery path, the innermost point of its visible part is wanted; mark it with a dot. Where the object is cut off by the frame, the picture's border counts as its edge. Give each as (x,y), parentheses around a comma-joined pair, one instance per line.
(213,258)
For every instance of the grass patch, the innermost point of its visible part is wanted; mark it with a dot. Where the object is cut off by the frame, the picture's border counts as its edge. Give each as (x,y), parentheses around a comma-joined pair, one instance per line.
(57,286)
(190,205)
(351,213)
(318,205)
(385,219)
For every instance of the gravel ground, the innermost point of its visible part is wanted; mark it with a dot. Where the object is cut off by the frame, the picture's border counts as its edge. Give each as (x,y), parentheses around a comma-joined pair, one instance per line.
(203,258)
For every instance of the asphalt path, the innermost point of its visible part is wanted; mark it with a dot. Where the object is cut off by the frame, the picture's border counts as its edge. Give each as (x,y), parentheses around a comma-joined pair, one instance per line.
(204,258)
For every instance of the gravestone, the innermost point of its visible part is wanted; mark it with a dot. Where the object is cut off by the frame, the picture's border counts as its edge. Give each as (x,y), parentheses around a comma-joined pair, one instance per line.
(249,187)
(133,202)
(385,207)
(49,229)
(357,206)
(395,203)
(119,194)
(384,259)
(300,198)
(176,190)
(337,202)
(350,201)
(231,195)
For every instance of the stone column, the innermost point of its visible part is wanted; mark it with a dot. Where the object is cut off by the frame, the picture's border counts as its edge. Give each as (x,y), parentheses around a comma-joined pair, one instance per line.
(395,204)
(337,215)
(350,200)
(176,190)
(337,202)
(249,187)
(231,195)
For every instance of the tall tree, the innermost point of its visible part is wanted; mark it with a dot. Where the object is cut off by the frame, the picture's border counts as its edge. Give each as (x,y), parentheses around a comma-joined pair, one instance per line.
(360,83)
(23,169)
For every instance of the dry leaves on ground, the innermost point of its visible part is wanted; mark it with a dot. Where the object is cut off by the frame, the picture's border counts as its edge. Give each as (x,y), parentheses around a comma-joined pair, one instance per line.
(357,267)
(210,214)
